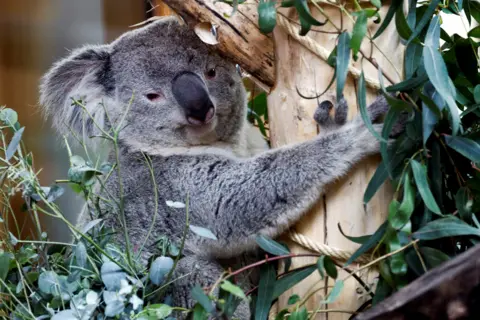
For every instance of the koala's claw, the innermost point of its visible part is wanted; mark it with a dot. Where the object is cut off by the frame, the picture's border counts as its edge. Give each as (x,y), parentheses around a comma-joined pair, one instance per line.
(323,118)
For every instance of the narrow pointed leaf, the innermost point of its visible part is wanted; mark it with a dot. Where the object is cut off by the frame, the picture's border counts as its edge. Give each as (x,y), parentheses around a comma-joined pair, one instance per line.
(372,241)
(405,209)
(335,292)
(391,12)
(420,175)
(437,72)
(265,291)
(358,32)
(343,58)
(14,143)
(425,19)
(362,102)
(288,281)
(445,227)
(401,23)
(467,147)
(267,16)
(271,246)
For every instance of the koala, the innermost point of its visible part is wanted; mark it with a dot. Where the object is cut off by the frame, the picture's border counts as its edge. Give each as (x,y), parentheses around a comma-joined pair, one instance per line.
(184,106)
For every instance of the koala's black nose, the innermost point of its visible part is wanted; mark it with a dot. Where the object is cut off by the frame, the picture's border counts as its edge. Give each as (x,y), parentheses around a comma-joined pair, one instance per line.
(192,95)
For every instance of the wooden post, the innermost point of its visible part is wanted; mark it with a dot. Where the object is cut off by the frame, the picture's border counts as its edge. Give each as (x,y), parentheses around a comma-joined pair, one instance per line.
(291,120)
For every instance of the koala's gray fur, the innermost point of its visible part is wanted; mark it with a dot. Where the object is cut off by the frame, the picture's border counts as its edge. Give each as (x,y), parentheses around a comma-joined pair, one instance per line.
(233,190)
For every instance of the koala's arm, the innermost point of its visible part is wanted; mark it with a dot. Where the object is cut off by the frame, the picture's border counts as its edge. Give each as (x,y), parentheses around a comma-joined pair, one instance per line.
(238,199)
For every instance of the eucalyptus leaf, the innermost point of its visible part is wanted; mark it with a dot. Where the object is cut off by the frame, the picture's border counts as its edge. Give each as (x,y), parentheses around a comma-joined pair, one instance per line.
(437,72)
(335,292)
(342,62)
(233,289)
(358,33)
(203,232)
(266,288)
(372,241)
(14,143)
(290,279)
(267,16)
(401,24)
(160,267)
(199,295)
(81,254)
(362,102)
(271,246)
(111,275)
(425,19)
(405,209)
(299,314)
(391,11)
(449,226)
(420,175)
(466,147)
(360,240)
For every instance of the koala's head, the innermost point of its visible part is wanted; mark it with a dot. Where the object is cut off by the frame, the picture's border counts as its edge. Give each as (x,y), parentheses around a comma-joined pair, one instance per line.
(178,92)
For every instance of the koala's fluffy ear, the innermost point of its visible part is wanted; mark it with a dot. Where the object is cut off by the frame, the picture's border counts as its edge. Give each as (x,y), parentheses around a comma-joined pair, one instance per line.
(85,76)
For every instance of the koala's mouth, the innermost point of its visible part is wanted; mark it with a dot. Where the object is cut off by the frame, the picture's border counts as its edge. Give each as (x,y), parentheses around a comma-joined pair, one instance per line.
(205,119)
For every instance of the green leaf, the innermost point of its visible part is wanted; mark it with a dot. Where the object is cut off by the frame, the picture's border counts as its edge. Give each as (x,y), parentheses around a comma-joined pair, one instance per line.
(413,57)
(405,209)
(304,13)
(398,265)
(271,246)
(476,93)
(437,72)
(293,299)
(290,279)
(160,267)
(401,23)
(466,147)
(463,204)
(376,3)
(300,314)
(449,226)
(358,33)
(391,11)
(433,257)
(9,117)
(111,275)
(5,259)
(412,13)
(14,143)
(409,84)
(81,254)
(362,102)
(420,175)
(343,58)
(267,16)
(203,232)
(266,287)
(430,117)
(475,32)
(199,295)
(360,240)
(233,289)
(335,293)
(54,193)
(199,313)
(425,19)
(381,292)
(326,263)
(372,241)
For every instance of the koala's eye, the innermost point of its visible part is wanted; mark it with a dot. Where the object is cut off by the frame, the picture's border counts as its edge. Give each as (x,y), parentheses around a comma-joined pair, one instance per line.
(211,73)
(153,96)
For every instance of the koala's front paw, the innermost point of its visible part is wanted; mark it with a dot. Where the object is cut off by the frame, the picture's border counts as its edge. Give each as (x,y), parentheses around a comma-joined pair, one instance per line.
(325,120)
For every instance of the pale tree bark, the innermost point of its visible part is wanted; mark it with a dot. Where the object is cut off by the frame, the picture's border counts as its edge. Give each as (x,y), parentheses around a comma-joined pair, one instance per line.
(285,67)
